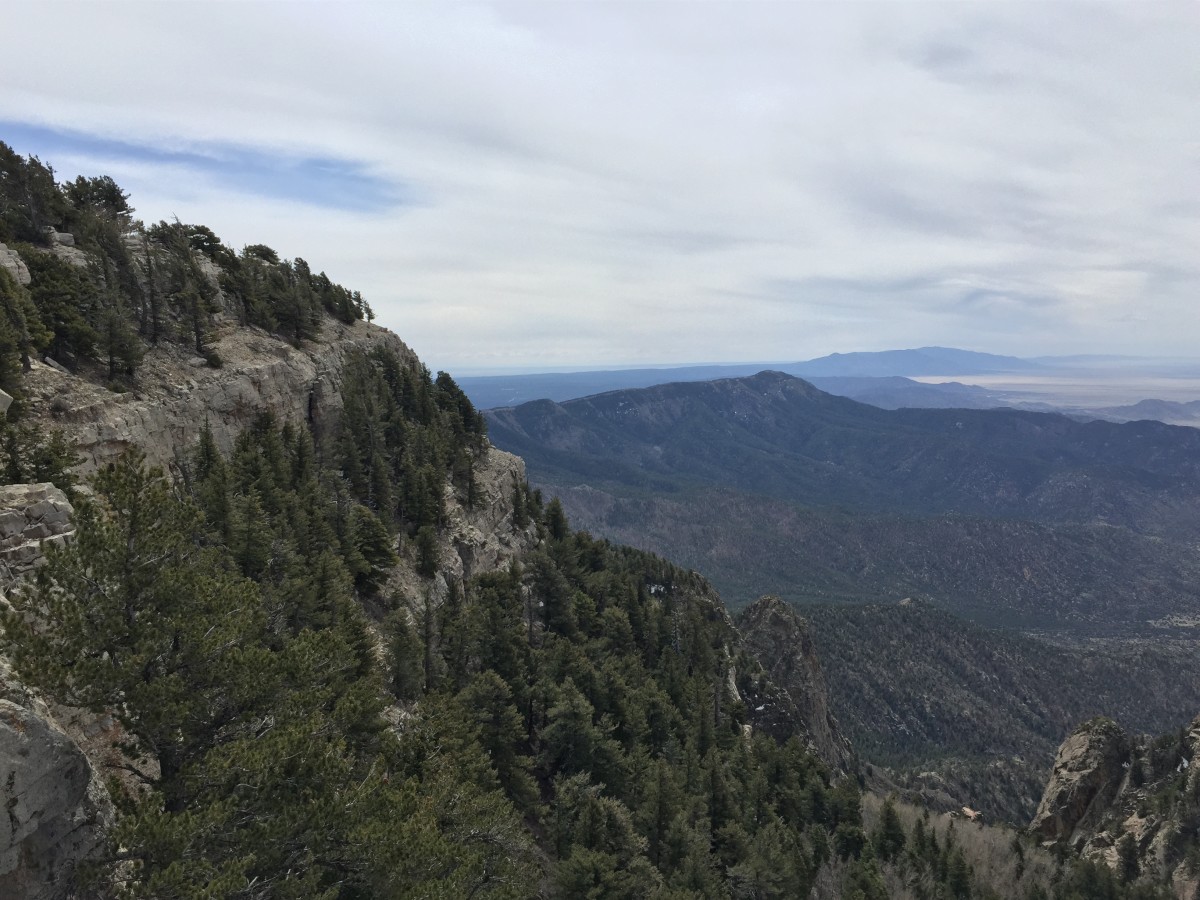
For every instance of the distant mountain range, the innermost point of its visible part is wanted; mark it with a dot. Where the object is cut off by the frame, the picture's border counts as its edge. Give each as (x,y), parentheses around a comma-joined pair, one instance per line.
(491,391)
(922,361)
(887,379)
(767,484)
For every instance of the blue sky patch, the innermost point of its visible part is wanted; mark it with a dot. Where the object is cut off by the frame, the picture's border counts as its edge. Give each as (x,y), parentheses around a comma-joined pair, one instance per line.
(324,182)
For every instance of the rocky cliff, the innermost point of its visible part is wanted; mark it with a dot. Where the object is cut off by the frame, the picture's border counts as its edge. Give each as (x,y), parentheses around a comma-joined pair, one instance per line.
(178,392)
(55,802)
(778,638)
(49,757)
(11,261)
(1088,771)
(1131,801)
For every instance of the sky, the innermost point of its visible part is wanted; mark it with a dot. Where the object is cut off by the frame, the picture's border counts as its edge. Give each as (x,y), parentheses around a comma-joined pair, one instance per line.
(590,185)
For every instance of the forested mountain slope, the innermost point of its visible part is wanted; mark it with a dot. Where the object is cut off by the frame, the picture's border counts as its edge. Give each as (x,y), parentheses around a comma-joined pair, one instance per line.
(344,651)
(766,484)
(922,692)
(775,434)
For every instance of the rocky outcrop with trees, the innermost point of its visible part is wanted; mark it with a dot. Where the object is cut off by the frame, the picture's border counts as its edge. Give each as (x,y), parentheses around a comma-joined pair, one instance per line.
(1131,802)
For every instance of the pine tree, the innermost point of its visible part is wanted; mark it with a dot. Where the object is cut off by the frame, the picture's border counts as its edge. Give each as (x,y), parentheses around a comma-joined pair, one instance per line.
(146,623)
(888,838)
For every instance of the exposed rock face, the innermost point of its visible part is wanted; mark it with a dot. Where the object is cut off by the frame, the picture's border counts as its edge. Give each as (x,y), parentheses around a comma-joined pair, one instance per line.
(480,538)
(30,514)
(1126,800)
(1088,771)
(66,250)
(778,637)
(259,374)
(55,806)
(58,238)
(11,260)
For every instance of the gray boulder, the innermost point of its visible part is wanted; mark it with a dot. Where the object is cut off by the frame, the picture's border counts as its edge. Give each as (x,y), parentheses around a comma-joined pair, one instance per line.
(11,260)
(53,806)
(30,515)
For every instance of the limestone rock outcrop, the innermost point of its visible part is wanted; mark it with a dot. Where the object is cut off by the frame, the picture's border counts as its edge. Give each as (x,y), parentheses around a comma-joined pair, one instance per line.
(11,261)
(259,373)
(56,807)
(778,638)
(30,515)
(1107,790)
(1088,771)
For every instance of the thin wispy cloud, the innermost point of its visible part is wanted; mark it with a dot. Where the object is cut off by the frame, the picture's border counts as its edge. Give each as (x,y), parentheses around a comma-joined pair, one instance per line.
(323,182)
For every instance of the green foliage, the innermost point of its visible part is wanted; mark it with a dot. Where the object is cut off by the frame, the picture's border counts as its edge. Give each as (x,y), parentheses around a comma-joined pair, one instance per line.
(427,551)
(21,334)
(140,283)
(1128,866)
(407,657)
(401,435)
(648,783)
(67,302)
(260,705)
(29,198)
(101,197)
(888,838)
(31,454)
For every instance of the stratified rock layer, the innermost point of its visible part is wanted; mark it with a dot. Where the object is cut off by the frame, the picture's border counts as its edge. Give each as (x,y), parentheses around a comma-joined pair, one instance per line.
(30,514)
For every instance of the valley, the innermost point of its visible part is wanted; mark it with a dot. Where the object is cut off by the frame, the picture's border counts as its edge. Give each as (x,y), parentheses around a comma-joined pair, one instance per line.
(976,582)
(1115,389)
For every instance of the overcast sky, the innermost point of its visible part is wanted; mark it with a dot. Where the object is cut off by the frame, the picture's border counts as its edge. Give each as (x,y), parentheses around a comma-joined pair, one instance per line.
(568,185)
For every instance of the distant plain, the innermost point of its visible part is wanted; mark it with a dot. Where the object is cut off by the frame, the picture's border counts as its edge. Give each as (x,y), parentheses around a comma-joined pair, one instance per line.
(1085,389)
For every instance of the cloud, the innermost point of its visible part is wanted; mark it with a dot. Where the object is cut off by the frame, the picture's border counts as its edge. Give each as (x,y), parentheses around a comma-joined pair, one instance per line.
(323,182)
(565,184)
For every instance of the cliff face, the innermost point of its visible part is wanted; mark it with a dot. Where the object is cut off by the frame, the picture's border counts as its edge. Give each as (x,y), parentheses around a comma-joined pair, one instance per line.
(1132,802)
(481,538)
(778,638)
(55,803)
(49,757)
(11,261)
(178,392)
(1088,771)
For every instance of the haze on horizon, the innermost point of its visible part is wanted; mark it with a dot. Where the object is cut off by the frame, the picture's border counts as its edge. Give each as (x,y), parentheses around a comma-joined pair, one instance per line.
(536,185)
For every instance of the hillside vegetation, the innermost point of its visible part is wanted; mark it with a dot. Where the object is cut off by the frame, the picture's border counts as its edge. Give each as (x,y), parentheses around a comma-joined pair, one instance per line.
(285,727)
(104,286)
(919,691)
(768,485)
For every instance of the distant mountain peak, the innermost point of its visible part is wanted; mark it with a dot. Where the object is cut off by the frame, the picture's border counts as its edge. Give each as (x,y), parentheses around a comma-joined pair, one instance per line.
(917,361)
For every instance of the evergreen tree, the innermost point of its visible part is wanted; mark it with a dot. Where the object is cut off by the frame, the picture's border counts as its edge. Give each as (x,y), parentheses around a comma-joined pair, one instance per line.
(888,838)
